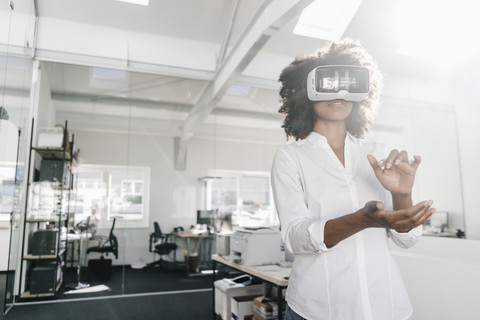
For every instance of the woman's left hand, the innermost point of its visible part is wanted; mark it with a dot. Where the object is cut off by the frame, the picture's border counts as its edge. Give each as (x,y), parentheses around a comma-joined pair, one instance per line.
(396,173)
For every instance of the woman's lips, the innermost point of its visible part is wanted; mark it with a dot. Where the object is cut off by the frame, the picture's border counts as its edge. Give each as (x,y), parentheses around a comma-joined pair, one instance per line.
(337,103)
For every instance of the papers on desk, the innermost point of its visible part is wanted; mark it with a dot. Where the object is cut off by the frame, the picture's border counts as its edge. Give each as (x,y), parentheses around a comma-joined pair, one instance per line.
(270,267)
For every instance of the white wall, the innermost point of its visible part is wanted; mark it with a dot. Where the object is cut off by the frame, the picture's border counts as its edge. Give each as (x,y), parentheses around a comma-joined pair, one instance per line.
(166,183)
(467,115)
(442,277)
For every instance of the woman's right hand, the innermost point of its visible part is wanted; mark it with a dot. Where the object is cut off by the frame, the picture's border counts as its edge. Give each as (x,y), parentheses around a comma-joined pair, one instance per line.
(403,220)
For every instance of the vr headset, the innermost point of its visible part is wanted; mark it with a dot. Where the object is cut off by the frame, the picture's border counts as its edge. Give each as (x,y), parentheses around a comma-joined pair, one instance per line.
(350,83)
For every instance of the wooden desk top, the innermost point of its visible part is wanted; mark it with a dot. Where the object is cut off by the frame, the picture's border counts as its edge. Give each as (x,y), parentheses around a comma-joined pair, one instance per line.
(277,277)
(188,234)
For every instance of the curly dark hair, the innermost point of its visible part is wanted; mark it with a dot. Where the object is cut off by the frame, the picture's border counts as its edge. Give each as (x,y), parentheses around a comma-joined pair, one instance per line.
(300,116)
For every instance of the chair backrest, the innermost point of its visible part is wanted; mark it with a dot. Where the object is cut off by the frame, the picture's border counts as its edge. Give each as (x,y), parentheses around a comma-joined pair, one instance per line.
(114,243)
(157,230)
(113,239)
(113,227)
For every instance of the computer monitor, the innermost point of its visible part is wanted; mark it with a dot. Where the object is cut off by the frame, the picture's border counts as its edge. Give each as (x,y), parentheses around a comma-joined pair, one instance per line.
(206,217)
(221,221)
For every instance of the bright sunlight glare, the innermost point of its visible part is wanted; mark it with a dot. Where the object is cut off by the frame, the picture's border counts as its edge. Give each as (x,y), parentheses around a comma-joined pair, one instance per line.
(437,30)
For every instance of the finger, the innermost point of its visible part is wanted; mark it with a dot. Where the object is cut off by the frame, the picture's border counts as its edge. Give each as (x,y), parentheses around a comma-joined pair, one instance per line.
(416,161)
(401,216)
(414,215)
(401,157)
(420,219)
(371,159)
(380,206)
(373,206)
(377,168)
(420,214)
(427,216)
(391,158)
(405,167)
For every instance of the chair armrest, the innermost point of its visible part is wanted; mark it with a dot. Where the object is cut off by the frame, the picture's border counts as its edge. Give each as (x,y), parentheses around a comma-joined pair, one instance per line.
(168,236)
(101,239)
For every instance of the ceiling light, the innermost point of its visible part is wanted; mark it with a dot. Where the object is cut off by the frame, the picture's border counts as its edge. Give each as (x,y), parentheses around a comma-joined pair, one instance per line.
(108,74)
(239,90)
(139,2)
(326,19)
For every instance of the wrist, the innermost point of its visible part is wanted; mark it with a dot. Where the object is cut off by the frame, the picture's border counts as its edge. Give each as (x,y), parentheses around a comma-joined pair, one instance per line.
(362,219)
(401,195)
(401,200)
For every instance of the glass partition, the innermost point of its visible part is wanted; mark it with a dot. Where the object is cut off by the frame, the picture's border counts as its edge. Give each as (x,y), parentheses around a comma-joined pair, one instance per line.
(17,20)
(127,127)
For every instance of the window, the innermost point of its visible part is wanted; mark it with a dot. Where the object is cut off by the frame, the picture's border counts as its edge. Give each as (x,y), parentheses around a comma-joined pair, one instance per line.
(126,195)
(246,195)
(7,190)
(112,192)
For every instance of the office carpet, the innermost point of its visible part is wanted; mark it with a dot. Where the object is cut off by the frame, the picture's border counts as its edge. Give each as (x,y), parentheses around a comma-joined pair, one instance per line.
(152,294)
(135,281)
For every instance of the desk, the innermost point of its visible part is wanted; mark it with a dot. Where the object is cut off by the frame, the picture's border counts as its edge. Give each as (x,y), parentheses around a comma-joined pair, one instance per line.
(200,248)
(278,279)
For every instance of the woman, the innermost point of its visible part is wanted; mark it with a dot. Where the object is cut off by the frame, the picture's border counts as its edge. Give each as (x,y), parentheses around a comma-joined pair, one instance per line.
(337,203)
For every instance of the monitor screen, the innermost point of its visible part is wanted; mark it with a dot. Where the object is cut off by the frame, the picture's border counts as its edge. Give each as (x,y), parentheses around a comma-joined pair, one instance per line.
(206,217)
(221,221)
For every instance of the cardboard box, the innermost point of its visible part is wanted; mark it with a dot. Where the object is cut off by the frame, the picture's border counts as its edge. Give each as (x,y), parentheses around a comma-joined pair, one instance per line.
(265,308)
(50,137)
(242,307)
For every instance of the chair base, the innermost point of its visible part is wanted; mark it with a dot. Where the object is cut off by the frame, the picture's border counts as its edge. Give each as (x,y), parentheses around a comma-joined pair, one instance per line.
(99,269)
(164,264)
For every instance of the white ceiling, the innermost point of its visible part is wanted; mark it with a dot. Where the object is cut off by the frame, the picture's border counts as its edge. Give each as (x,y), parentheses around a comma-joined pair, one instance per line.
(78,93)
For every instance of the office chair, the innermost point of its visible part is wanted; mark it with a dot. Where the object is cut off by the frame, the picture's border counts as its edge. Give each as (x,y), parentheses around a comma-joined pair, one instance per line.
(106,245)
(163,248)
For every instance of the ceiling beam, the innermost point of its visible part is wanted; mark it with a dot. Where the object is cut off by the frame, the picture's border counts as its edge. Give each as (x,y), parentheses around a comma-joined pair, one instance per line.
(269,18)
(78,101)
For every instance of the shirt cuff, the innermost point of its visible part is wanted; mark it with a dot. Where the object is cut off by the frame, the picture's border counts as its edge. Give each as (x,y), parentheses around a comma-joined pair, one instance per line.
(316,231)
(414,233)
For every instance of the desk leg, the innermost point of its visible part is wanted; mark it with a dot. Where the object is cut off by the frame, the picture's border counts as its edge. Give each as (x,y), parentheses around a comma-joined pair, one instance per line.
(81,285)
(187,259)
(280,303)
(214,278)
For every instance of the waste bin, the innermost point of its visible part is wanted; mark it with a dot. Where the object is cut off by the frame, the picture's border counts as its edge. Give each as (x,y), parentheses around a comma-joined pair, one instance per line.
(192,262)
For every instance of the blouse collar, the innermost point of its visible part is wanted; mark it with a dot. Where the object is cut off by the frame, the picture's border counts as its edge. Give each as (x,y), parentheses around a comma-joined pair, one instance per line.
(316,138)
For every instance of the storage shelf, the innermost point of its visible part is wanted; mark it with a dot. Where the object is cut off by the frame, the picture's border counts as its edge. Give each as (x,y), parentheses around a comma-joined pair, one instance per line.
(55,184)
(56,164)
(27,294)
(53,153)
(46,220)
(44,257)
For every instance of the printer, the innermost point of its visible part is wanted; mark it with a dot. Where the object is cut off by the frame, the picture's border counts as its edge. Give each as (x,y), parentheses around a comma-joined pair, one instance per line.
(256,246)
(226,289)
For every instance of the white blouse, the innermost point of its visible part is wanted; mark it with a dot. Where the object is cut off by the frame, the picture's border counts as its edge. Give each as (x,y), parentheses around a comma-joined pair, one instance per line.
(357,278)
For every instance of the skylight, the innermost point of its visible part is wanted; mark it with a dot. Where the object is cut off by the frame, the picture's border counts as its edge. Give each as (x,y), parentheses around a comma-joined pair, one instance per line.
(139,2)
(326,19)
